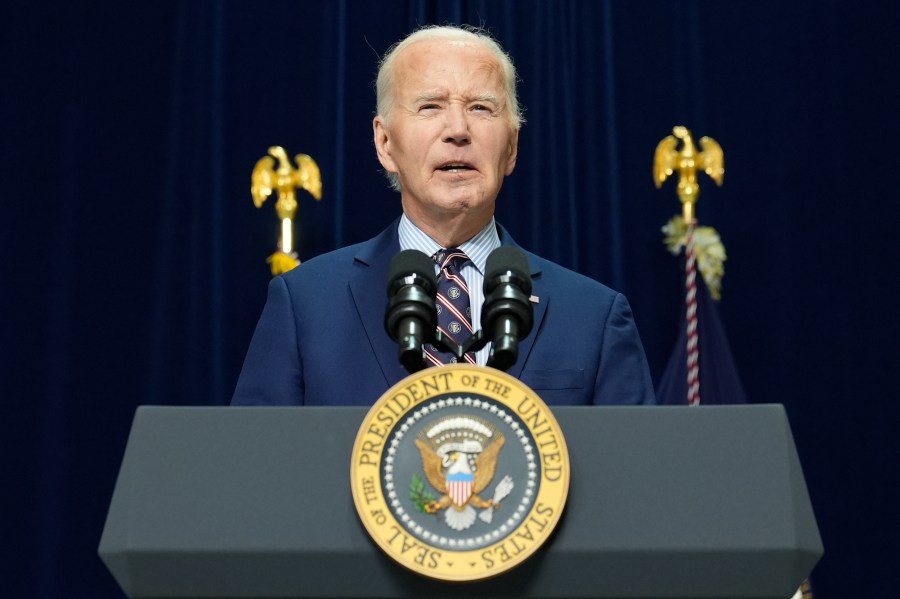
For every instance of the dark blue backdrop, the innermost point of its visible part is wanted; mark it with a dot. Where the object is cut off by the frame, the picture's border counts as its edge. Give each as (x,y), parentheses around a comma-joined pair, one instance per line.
(133,266)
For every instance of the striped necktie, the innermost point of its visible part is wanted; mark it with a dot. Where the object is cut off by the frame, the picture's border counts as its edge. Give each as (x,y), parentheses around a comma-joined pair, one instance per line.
(453,306)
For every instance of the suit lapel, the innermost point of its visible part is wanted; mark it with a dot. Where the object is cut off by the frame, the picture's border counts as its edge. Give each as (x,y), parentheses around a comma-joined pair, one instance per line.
(369,291)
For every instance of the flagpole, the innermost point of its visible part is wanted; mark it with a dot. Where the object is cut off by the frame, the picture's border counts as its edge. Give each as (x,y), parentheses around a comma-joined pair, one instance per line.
(693,346)
(686,162)
(266,179)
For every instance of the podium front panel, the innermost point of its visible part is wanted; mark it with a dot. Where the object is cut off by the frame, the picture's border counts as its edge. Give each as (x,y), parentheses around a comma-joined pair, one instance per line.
(664,502)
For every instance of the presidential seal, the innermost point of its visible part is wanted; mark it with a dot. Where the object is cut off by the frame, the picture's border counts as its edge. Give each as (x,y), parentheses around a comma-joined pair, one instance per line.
(459,472)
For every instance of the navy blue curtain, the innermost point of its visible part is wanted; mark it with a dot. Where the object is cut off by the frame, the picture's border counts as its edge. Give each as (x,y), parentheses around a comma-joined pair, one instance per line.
(133,270)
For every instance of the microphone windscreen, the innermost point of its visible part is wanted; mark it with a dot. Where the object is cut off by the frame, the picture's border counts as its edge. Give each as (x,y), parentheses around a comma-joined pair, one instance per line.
(508,259)
(411,262)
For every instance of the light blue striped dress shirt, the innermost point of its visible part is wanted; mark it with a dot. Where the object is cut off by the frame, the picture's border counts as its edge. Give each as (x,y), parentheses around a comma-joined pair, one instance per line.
(477,249)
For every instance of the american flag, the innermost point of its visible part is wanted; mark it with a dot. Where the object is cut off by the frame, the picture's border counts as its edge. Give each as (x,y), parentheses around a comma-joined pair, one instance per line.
(459,487)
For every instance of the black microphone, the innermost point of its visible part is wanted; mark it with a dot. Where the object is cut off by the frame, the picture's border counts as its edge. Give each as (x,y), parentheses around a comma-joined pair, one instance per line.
(507,315)
(410,317)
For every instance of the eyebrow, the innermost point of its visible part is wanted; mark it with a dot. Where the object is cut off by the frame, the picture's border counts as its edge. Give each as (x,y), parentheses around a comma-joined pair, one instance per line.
(430,97)
(486,97)
(435,96)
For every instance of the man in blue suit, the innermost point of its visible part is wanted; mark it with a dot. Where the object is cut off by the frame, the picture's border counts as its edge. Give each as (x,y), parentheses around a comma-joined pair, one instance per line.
(446,133)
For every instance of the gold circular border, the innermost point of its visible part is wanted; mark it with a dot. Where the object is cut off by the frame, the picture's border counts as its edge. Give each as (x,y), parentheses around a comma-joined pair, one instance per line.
(438,562)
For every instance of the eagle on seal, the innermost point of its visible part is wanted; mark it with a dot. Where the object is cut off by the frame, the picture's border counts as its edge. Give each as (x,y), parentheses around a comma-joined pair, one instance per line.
(460,474)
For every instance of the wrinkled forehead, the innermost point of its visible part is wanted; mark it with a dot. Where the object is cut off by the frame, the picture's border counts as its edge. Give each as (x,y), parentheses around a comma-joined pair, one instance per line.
(430,65)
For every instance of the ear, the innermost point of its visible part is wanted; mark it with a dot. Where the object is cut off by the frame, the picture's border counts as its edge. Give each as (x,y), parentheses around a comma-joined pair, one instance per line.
(383,144)
(513,152)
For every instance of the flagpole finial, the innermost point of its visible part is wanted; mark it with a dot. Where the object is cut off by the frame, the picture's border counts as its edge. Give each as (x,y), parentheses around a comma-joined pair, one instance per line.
(687,161)
(267,179)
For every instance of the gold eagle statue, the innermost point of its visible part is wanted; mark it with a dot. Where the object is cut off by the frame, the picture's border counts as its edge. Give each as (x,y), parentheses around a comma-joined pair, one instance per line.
(267,179)
(667,160)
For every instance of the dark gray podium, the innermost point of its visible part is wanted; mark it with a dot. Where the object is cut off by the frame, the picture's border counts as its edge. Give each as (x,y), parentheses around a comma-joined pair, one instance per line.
(676,502)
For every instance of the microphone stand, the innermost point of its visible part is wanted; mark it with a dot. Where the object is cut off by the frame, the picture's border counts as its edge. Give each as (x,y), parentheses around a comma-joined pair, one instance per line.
(500,358)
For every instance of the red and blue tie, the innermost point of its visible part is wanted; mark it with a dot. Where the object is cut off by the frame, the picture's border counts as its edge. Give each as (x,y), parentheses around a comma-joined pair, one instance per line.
(454,311)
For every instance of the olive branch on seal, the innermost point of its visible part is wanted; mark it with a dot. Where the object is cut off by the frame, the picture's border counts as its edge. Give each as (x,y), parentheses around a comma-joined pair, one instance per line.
(419,493)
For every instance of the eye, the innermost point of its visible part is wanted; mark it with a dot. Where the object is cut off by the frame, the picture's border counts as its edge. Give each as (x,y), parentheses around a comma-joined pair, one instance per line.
(428,107)
(484,109)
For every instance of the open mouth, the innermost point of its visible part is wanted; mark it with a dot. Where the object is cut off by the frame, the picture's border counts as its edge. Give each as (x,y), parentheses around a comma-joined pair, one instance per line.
(455,167)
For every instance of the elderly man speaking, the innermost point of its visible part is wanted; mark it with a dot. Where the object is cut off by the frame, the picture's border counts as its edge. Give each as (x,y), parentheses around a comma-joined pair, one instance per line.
(447,134)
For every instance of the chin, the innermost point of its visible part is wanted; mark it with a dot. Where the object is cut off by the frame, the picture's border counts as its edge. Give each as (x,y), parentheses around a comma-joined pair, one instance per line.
(464,196)
(461,204)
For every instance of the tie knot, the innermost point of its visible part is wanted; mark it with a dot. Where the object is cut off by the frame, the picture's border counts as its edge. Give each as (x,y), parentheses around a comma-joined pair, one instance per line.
(453,257)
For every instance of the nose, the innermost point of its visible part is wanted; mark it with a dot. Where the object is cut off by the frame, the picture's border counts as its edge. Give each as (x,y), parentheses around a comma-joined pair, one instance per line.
(456,126)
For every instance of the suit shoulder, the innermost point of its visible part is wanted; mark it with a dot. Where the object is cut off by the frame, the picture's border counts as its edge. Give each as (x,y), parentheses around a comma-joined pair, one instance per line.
(346,262)
(336,264)
(564,280)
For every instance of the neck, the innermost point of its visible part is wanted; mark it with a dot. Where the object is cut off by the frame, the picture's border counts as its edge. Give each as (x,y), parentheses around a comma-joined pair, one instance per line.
(451,230)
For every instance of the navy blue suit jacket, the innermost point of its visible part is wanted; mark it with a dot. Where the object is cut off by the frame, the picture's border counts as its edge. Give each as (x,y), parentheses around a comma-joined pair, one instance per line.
(321,338)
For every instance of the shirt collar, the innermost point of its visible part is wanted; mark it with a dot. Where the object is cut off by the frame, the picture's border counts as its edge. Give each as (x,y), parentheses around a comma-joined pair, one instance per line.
(477,249)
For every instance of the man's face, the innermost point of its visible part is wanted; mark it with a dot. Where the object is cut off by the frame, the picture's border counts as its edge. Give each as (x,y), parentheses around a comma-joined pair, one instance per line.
(448,135)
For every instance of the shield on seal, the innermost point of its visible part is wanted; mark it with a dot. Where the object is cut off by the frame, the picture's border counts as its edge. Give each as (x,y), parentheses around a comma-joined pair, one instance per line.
(459,487)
